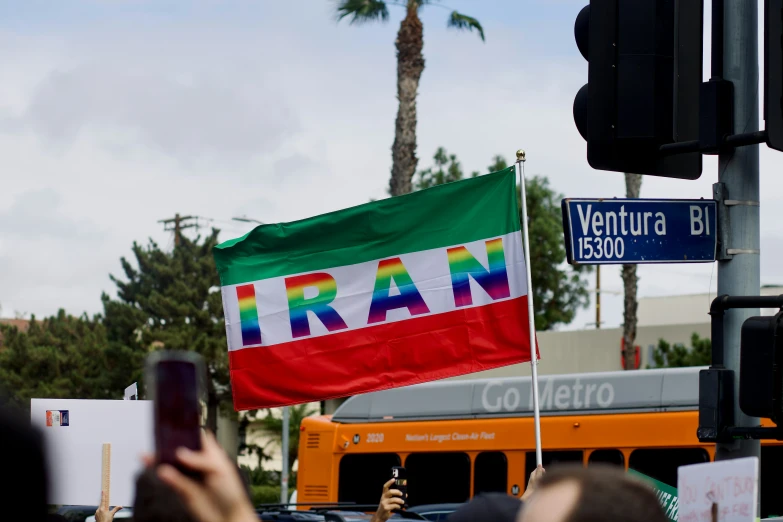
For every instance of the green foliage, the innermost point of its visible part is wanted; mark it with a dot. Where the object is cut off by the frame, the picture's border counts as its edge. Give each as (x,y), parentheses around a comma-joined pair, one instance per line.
(60,357)
(363,11)
(274,425)
(464,22)
(172,300)
(678,356)
(498,163)
(559,290)
(261,477)
(266,494)
(445,170)
(248,449)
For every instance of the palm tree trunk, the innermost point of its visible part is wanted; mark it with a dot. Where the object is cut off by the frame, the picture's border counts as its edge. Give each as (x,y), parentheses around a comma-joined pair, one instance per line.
(410,64)
(633,185)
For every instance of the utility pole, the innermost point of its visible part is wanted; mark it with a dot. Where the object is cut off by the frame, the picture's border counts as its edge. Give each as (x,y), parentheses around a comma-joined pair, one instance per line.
(633,186)
(285,443)
(176,224)
(738,171)
(597,297)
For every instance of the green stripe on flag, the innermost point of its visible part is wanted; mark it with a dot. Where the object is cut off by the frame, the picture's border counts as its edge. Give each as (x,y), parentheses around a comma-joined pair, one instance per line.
(666,494)
(446,215)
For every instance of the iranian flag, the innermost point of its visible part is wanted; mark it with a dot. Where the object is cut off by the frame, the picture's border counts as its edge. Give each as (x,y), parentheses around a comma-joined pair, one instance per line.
(395,292)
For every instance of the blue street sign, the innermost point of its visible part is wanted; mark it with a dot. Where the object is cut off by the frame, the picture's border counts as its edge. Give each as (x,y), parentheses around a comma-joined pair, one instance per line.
(632,231)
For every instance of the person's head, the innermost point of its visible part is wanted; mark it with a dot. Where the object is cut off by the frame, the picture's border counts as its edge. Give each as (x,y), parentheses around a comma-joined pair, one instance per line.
(156,502)
(489,507)
(594,494)
(24,489)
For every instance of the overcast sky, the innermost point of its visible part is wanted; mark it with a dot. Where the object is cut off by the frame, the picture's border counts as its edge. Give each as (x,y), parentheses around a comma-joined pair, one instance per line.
(115,114)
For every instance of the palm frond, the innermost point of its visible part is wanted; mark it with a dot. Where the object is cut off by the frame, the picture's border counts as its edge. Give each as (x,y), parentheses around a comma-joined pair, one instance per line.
(461,21)
(363,11)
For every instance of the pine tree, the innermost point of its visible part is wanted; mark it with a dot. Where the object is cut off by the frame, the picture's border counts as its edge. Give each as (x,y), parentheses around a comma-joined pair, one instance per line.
(171,300)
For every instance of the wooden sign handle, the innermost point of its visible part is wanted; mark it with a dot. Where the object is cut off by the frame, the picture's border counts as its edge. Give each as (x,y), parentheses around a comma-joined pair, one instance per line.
(106,474)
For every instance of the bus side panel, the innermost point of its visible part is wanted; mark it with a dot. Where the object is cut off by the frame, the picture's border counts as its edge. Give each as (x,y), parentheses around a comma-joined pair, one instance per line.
(315,477)
(516,472)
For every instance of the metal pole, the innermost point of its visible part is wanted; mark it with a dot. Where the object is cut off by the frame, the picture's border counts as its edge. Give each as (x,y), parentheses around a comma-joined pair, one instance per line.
(597,297)
(530,308)
(738,169)
(284,474)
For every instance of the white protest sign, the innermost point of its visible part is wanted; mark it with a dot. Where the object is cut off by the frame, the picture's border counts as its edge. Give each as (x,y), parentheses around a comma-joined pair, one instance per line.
(75,432)
(731,484)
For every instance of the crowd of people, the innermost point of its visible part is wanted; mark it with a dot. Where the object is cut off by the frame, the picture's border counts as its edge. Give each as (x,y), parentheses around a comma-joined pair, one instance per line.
(165,494)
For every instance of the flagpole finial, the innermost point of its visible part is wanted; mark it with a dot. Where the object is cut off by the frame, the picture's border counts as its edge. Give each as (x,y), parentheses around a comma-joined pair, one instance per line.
(521,155)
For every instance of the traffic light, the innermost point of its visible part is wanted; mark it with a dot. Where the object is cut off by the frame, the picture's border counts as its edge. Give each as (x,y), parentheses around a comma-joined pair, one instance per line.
(773,72)
(644,75)
(761,367)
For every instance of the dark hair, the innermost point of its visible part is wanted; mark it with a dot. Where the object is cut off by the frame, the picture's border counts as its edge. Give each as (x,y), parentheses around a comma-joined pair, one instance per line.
(489,507)
(606,493)
(24,487)
(157,502)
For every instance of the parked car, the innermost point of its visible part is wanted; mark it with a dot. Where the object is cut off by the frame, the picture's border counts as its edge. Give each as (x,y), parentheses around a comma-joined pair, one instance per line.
(76,513)
(435,512)
(125,514)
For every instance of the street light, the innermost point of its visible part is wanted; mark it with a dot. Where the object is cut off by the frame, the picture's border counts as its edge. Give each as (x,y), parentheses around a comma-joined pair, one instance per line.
(247,220)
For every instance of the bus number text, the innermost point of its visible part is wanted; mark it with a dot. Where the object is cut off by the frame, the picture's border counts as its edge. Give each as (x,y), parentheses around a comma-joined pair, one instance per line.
(374,437)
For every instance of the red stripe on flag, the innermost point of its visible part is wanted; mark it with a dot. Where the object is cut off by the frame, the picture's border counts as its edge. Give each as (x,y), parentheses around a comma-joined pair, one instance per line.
(380,357)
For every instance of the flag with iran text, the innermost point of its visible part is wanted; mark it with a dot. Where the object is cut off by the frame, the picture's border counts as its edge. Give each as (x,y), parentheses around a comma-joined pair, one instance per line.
(395,292)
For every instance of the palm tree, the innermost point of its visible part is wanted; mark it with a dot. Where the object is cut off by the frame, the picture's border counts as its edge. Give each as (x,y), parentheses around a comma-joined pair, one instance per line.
(274,425)
(410,64)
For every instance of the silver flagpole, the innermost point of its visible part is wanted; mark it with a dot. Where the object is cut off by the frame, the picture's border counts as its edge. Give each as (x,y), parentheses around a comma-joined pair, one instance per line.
(530,308)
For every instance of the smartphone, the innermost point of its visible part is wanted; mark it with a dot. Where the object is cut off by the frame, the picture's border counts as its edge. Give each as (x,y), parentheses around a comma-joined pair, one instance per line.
(400,476)
(175,383)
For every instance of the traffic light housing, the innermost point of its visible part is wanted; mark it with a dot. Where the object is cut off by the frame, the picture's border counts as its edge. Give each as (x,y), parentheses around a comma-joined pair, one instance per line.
(644,75)
(761,367)
(773,72)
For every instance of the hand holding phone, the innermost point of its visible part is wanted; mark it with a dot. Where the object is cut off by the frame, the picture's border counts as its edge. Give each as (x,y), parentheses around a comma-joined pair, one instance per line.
(175,384)
(400,476)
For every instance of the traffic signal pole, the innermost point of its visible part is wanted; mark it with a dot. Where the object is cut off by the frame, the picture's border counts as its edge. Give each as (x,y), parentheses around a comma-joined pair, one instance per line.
(738,172)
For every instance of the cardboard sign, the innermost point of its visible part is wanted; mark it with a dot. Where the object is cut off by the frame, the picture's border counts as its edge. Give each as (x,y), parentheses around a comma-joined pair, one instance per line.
(666,494)
(733,485)
(75,434)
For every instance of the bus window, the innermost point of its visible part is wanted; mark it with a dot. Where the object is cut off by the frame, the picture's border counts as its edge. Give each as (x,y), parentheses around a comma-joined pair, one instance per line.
(771,464)
(438,478)
(549,458)
(607,456)
(661,464)
(362,476)
(490,472)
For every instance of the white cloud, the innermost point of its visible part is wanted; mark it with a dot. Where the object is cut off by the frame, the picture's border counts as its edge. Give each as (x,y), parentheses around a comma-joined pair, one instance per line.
(189,118)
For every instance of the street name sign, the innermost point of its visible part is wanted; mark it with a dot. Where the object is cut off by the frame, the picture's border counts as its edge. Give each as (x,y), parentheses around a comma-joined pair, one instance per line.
(635,231)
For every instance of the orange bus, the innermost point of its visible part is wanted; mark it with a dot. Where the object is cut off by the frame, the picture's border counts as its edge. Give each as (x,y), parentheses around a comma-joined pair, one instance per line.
(460,438)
